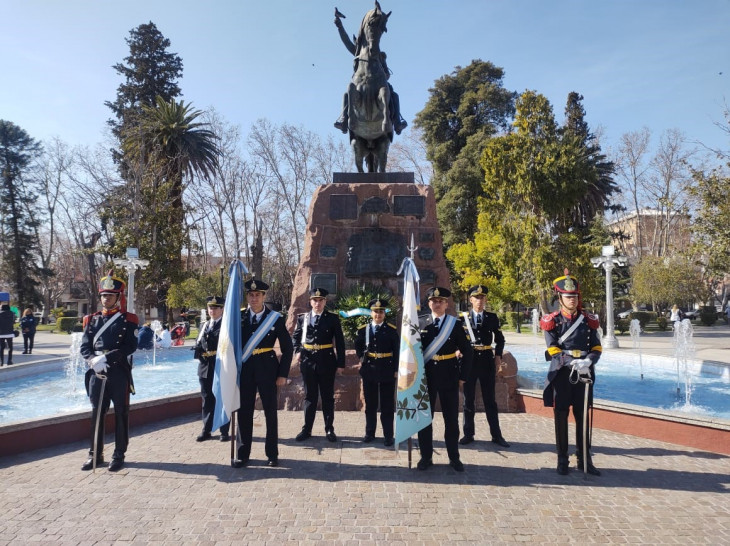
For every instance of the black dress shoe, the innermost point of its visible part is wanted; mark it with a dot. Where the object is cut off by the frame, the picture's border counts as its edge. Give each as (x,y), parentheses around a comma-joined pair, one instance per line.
(592,470)
(388,442)
(466,440)
(457,465)
(273,462)
(368,438)
(424,464)
(303,435)
(89,464)
(500,442)
(225,438)
(331,436)
(203,436)
(116,464)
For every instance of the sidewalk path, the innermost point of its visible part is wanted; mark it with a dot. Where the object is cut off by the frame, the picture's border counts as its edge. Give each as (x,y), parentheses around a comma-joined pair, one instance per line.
(174,490)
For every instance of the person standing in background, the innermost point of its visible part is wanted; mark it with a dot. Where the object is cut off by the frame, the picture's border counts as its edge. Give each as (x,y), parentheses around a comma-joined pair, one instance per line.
(28,327)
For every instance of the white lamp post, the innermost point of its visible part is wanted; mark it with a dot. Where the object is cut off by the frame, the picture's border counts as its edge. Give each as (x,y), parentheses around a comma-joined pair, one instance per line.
(608,260)
(131,263)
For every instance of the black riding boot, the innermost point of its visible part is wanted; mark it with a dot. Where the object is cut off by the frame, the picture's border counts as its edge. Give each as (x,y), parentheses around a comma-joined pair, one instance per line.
(561,440)
(579,444)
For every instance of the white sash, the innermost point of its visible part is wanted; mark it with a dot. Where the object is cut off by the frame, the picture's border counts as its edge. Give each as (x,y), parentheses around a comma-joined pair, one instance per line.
(575,325)
(104,327)
(467,321)
(256,338)
(305,326)
(438,342)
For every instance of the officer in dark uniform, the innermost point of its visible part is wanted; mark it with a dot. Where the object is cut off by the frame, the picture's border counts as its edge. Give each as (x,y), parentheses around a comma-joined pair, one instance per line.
(445,373)
(109,338)
(205,349)
(320,349)
(482,328)
(573,348)
(378,345)
(262,371)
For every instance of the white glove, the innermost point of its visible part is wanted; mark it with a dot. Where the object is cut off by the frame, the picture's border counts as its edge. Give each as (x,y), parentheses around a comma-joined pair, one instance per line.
(584,366)
(98,364)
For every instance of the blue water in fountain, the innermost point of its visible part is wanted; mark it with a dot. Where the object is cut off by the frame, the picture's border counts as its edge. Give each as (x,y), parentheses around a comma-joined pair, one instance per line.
(173,371)
(618,379)
(164,372)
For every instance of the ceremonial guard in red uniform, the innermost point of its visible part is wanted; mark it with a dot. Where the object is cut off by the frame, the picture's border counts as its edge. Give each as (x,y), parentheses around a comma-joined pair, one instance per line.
(109,338)
(319,345)
(487,340)
(378,344)
(261,371)
(442,336)
(573,348)
(206,347)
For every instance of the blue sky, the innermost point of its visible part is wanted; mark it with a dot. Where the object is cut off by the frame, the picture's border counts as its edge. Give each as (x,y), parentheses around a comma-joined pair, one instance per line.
(656,63)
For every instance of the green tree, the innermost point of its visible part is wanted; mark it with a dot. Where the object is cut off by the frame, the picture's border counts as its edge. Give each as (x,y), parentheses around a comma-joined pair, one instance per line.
(464,110)
(712,220)
(541,196)
(150,71)
(662,282)
(18,242)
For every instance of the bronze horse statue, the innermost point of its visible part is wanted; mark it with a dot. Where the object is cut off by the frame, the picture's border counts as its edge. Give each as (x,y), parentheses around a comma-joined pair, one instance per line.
(370,106)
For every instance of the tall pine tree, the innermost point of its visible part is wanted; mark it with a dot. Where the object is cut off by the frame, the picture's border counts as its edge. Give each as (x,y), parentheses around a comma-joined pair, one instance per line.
(18,243)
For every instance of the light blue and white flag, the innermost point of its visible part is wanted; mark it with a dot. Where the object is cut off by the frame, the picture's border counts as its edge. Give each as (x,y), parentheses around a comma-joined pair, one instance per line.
(228,356)
(359,312)
(413,408)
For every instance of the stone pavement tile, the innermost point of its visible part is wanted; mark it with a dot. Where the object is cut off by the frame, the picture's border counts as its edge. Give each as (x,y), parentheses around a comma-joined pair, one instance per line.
(174,490)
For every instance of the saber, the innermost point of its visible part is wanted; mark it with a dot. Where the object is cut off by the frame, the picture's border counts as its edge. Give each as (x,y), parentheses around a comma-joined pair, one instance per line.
(98,420)
(588,383)
(234,436)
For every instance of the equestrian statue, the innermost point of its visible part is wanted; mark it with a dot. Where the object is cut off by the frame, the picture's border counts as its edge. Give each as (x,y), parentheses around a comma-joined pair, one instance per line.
(370,107)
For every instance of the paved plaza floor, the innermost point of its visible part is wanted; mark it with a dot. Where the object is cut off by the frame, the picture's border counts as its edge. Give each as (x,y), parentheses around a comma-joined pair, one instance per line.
(174,490)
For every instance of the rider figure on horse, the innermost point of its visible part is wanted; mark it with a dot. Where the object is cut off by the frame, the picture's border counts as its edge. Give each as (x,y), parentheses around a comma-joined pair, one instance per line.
(342,122)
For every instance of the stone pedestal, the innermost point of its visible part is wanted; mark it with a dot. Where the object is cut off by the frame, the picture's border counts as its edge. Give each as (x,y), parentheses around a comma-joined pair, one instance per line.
(359,233)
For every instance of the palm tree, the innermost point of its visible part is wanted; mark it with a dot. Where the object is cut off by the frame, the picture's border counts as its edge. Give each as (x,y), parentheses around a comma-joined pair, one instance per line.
(169,145)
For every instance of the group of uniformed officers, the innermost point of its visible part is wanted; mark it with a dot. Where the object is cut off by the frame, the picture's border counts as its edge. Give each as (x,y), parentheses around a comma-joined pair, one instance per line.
(458,353)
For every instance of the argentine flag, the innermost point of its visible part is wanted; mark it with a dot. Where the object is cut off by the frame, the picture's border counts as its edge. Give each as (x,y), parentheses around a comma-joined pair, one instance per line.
(228,356)
(413,408)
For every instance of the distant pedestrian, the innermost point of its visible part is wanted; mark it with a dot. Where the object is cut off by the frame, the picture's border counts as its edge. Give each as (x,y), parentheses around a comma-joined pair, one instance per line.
(676,314)
(7,321)
(145,337)
(28,326)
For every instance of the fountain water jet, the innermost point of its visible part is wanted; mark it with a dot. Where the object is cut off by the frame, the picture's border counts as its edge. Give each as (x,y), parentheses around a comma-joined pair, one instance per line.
(635,332)
(684,350)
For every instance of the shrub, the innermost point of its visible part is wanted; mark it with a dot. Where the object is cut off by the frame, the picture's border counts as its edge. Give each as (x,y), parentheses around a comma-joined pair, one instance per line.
(78,327)
(67,324)
(361,298)
(644,317)
(69,313)
(623,325)
(708,315)
(662,323)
